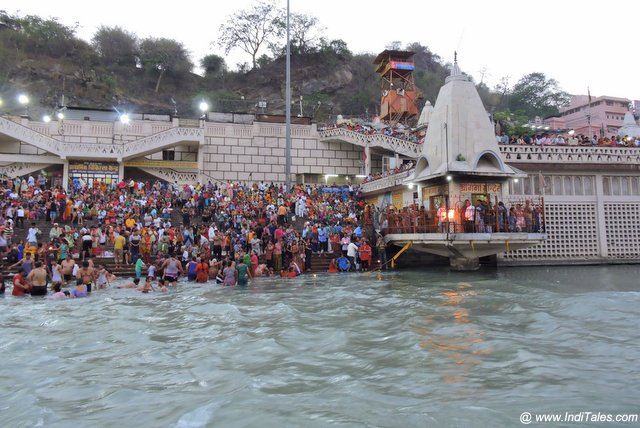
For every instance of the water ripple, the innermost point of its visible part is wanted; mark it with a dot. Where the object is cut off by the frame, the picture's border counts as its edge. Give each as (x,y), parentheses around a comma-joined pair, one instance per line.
(404,349)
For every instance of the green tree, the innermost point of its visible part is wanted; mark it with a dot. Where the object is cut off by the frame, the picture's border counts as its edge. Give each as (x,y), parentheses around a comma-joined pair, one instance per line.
(512,122)
(115,46)
(213,65)
(164,56)
(537,96)
(337,47)
(430,73)
(251,29)
(38,36)
(305,32)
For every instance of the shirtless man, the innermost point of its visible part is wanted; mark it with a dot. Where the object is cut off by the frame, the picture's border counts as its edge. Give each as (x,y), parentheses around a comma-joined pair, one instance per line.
(87,274)
(38,279)
(67,268)
(147,287)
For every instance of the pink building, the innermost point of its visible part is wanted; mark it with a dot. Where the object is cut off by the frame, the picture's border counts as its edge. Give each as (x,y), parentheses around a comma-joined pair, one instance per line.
(607,115)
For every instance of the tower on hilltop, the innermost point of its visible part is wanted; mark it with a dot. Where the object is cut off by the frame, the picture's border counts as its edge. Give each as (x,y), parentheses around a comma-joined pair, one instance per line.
(399,98)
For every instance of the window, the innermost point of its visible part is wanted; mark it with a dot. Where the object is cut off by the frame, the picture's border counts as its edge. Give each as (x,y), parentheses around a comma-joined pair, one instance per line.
(168,155)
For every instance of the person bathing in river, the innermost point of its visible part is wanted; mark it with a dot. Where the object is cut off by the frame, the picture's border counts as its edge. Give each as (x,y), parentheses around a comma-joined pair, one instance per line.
(38,280)
(133,284)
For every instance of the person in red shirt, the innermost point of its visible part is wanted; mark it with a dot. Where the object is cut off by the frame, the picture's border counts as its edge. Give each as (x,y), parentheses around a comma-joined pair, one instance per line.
(20,286)
(365,254)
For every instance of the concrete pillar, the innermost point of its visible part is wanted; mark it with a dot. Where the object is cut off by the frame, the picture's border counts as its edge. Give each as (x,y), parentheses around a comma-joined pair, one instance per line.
(397,160)
(201,163)
(600,217)
(120,170)
(65,174)
(463,264)
(367,160)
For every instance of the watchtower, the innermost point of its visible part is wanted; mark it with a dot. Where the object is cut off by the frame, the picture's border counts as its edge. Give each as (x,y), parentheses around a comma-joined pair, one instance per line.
(399,99)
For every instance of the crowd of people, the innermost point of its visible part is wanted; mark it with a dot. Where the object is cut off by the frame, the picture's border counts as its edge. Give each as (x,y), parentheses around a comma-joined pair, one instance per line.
(405,166)
(547,139)
(400,132)
(480,216)
(223,232)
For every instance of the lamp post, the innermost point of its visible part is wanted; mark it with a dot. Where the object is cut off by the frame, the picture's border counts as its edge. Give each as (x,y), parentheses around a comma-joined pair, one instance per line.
(204,108)
(450,211)
(24,101)
(287,102)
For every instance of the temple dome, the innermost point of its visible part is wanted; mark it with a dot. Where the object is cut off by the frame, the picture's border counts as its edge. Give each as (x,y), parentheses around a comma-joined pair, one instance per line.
(425,115)
(630,127)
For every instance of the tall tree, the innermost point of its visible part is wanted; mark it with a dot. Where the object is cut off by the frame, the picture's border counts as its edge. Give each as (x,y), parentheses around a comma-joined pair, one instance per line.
(251,29)
(537,96)
(164,56)
(304,32)
(115,45)
(213,64)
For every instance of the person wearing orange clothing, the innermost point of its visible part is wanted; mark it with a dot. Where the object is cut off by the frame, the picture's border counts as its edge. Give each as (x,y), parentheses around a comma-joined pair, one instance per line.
(202,271)
(365,254)
(67,211)
(333,266)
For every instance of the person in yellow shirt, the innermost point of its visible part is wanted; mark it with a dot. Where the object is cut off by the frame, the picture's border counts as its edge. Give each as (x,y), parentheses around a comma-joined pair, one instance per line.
(129,223)
(282,214)
(118,249)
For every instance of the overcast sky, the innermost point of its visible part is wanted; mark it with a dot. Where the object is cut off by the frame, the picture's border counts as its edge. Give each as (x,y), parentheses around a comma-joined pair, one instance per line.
(576,43)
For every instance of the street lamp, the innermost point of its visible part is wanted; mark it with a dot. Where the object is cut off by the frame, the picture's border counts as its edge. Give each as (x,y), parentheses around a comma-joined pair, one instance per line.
(24,101)
(204,108)
(60,115)
(46,118)
(124,119)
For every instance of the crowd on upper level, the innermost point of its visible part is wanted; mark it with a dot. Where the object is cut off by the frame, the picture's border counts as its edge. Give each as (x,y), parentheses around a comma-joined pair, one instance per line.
(406,166)
(569,140)
(399,132)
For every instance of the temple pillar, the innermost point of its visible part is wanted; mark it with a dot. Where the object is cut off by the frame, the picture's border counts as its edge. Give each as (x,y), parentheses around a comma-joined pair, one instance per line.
(397,160)
(464,264)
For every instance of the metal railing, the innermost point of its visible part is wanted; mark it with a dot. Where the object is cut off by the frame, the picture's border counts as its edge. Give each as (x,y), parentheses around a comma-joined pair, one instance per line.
(513,216)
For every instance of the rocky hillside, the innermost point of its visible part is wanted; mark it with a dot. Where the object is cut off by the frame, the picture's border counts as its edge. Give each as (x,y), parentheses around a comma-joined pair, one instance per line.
(46,60)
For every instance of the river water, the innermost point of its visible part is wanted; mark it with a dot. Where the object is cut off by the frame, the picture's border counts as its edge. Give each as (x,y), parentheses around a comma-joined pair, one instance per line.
(400,349)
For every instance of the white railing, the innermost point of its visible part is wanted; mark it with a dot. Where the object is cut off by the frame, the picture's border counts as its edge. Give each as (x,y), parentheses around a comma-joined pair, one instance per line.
(18,169)
(570,154)
(23,133)
(171,175)
(161,140)
(387,182)
(107,150)
(387,142)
